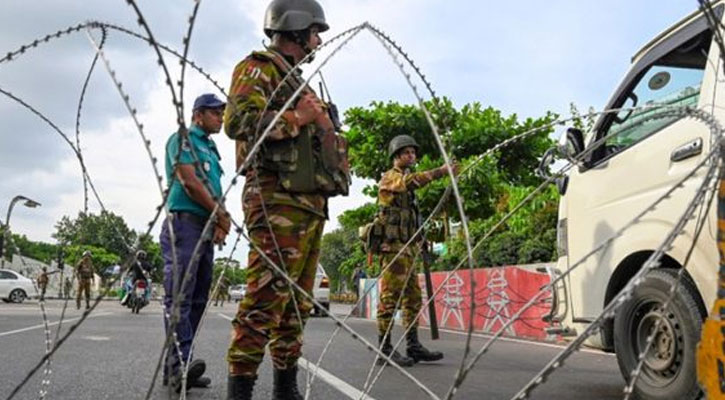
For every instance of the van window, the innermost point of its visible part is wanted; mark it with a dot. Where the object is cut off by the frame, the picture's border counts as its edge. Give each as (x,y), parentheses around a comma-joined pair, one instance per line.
(673,80)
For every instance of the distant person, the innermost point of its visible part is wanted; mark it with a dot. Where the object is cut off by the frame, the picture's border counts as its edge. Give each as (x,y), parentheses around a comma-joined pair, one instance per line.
(43,282)
(68,287)
(221,293)
(194,174)
(85,277)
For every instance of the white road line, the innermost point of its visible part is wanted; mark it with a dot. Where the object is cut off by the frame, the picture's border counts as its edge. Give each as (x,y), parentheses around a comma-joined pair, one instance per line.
(506,339)
(342,386)
(30,328)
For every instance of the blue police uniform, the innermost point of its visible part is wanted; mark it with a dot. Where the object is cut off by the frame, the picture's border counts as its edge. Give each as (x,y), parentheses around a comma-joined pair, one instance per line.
(188,219)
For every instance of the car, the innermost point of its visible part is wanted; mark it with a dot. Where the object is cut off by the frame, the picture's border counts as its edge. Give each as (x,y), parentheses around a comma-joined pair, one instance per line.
(321,291)
(15,288)
(236,292)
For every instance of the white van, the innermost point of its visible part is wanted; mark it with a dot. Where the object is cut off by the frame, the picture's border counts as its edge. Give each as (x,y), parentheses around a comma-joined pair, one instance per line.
(681,66)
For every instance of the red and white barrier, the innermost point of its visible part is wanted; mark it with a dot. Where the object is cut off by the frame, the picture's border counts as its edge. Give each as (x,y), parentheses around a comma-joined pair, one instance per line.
(499,293)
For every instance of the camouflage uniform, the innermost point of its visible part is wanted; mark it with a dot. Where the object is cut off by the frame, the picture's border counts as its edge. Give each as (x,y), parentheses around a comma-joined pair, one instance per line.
(221,293)
(267,313)
(400,277)
(43,283)
(84,274)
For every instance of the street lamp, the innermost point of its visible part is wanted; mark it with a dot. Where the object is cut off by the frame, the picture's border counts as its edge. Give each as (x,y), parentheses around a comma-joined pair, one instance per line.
(30,203)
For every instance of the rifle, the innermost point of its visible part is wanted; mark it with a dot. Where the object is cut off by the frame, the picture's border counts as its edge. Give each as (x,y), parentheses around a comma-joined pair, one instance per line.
(427,261)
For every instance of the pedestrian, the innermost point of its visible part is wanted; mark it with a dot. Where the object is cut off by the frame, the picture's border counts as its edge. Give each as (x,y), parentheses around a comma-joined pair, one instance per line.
(68,287)
(221,293)
(400,219)
(190,161)
(284,197)
(85,277)
(43,282)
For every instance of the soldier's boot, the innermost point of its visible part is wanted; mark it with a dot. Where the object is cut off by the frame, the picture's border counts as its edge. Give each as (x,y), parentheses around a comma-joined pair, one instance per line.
(240,387)
(417,352)
(285,385)
(387,349)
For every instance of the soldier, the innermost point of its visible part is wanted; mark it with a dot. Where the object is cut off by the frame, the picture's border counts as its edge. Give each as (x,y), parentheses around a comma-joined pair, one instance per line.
(221,293)
(191,202)
(398,214)
(84,275)
(301,163)
(68,287)
(43,282)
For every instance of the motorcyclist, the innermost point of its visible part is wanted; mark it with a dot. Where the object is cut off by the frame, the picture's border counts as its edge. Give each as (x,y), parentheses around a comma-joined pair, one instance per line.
(139,271)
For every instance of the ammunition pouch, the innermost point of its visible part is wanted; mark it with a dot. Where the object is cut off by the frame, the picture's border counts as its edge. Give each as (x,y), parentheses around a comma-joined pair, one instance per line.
(310,163)
(315,161)
(372,236)
(400,224)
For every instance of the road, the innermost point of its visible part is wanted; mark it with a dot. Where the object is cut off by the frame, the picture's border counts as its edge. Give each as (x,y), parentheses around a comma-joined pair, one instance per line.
(113,355)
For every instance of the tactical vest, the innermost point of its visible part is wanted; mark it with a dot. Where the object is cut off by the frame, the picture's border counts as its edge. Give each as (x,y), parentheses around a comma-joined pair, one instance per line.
(400,220)
(85,270)
(315,161)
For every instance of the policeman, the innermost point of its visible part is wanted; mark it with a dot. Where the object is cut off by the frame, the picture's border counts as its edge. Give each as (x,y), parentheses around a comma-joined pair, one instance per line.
(302,162)
(85,277)
(194,175)
(398,214)
(43,282)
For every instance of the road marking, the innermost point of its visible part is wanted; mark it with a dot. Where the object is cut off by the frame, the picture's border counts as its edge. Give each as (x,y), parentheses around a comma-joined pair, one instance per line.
(96,338)
(30,328)
(505,339)
(342,386)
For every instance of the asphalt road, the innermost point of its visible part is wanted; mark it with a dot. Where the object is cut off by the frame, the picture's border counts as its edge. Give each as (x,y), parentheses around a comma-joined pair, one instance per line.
(113,355)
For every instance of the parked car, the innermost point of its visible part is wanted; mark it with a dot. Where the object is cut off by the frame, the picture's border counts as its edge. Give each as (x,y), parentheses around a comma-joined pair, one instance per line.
(236,292)
(15,288)
(321,290)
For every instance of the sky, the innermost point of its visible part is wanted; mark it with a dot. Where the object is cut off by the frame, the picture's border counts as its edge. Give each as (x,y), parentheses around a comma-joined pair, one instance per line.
(524,58)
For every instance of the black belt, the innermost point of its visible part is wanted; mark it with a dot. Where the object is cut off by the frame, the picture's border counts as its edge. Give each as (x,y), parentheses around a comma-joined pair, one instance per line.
(190,217)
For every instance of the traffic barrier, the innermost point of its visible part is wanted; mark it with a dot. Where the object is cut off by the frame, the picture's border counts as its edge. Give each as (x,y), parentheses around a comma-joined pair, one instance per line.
(499,293)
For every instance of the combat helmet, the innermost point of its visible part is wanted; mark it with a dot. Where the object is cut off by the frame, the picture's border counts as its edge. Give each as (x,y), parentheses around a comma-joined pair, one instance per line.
(293,15)
(400,142)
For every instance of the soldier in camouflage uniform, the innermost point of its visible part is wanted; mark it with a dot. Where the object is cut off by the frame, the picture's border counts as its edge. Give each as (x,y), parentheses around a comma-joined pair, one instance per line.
(284,198)
(43,282)
(221,292)
(84,275)
(399,219)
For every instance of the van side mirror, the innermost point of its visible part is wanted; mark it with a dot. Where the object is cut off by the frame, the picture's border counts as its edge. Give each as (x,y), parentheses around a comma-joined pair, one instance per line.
(572,143)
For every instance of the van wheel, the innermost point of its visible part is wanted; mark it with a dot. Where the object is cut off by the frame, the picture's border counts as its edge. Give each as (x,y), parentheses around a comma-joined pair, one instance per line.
(668,370)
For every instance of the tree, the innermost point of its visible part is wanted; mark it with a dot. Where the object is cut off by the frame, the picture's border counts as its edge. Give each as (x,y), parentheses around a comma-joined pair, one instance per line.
(40,251)
(490,188)
(106,230)
(101,257)
(233,271)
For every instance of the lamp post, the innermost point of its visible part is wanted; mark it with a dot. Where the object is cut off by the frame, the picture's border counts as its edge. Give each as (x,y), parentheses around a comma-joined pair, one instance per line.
(6,231)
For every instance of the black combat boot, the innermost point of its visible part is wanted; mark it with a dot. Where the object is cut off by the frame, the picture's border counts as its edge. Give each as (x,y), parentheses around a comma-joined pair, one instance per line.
(285,385)
(417,352)
(239,387)
(387,349)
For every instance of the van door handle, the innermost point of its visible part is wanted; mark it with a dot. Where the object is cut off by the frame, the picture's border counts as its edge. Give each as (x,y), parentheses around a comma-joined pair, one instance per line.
(687,150)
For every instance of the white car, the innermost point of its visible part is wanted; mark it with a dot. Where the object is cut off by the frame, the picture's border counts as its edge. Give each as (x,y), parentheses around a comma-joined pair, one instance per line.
(236,292)
(14,287)
(321,290)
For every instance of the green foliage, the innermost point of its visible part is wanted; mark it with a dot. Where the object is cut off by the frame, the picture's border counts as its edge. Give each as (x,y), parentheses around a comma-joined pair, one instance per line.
(490,187)
(101,257)
(105,230)
(233,271)
(352,219)
(40,251)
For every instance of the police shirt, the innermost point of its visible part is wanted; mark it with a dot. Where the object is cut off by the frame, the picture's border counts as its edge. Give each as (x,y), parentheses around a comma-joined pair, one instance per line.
(208,156)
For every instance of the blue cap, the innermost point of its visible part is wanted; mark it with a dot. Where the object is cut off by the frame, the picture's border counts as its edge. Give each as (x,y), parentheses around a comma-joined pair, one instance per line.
(208,100)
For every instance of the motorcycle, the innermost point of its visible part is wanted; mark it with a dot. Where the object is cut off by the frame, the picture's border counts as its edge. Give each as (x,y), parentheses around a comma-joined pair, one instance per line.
(136,295)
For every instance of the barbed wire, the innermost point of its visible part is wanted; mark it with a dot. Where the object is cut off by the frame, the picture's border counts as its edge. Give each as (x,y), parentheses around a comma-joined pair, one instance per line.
(179,105)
